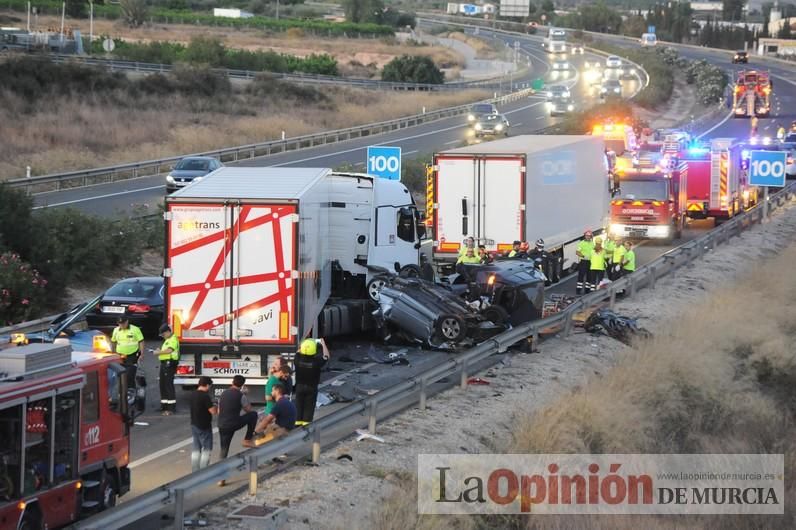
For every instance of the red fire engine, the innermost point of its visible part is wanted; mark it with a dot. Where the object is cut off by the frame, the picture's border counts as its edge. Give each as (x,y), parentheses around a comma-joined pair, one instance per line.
(650,203)
(65,428)
(717,182)
(752,94)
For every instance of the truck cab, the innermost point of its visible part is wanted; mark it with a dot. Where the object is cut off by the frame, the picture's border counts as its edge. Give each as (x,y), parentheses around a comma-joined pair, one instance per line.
(649,204)
(374,225)
(752,94)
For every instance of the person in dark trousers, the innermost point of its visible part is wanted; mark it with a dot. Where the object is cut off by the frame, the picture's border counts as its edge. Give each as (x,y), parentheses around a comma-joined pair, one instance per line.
(202,411)
(127,341)
(232,402)
(584,250)
(168,355)
(280,420)
(308,375)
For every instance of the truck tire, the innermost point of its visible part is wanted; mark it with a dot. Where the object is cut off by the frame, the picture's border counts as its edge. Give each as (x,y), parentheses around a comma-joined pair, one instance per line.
(496,314)
(108,493)
(450,328)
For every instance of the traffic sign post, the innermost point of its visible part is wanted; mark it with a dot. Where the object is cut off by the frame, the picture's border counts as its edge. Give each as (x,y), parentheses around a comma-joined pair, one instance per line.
(767,168)
(384,162)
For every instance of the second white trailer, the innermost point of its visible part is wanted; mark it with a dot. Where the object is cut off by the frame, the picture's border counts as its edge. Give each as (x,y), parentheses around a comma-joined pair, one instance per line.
(520,188)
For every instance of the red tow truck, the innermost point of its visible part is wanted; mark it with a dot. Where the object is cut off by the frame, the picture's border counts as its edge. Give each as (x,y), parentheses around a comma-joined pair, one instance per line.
(650,202)
(752,94)
(717,182)
(65,423)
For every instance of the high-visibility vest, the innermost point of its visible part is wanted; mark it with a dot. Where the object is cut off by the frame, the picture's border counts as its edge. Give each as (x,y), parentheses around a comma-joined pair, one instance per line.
(630,258)
(619,253)
(598,260)
(127,339)
(585,248)
(173,343)
(469,259)
(610,246)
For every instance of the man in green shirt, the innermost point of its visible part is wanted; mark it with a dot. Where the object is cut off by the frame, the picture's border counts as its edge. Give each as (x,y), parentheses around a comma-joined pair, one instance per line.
(629,259)
(168,355)
(616,261)
(584,250)
(128,342)
(282,376)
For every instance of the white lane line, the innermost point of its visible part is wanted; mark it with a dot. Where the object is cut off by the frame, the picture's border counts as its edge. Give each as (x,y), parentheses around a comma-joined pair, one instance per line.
(94,198)
(452,142)
(404,153)
(540,117)
(517,124)
(722,122)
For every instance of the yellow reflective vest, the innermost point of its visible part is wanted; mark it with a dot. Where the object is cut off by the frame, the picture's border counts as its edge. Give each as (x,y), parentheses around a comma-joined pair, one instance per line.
(173,343)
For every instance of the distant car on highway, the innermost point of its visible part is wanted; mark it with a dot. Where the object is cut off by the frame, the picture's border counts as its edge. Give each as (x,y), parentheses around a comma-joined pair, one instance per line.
(557,92)
(189,169)
(611,88)
(480,109)
(740,57)
(560,106)
(491,125)
(613,62)
(139,299)
(561,65)
(577,48)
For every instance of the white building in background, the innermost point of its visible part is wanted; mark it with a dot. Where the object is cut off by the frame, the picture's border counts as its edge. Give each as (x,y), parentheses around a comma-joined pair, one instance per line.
(231,13)
(776,47)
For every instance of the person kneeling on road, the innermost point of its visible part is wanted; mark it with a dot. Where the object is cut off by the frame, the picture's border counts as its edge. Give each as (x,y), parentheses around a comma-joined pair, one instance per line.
(280,420)
(230,419)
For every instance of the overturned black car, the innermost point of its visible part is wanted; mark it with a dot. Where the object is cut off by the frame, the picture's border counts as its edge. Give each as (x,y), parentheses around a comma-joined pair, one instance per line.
(465,308)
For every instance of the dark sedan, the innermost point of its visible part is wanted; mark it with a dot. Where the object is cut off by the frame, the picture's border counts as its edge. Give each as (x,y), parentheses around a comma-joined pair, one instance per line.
(740,57)
(139,299)
(491,125)
(190,169)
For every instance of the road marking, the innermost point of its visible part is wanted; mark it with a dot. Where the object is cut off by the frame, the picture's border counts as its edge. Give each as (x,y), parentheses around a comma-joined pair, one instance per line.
(541,117)
(517,124)
(453,142)
(722,122)
(94,198)
(404,153)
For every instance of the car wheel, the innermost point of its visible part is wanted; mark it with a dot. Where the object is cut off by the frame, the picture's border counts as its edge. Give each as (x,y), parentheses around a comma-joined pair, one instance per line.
(374,286)
(451,328)
(496,314)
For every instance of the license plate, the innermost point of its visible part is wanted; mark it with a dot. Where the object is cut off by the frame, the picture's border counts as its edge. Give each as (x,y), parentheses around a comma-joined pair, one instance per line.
(217,391)
(230,367)
(638,233)
(112,309)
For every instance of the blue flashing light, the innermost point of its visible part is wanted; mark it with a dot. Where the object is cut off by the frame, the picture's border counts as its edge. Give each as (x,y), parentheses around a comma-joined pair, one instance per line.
(696,150)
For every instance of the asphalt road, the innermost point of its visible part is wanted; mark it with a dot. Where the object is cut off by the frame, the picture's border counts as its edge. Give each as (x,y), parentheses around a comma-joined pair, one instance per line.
(525,116)
(161,446)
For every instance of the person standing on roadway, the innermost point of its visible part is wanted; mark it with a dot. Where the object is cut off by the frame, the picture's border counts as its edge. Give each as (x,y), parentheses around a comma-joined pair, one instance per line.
(629,259)
(616,261)
(168,355)
(781,133)
(597,265)
(609,245)
(308,376)
(232,402)
(127,341)
(584,250)
(202,411)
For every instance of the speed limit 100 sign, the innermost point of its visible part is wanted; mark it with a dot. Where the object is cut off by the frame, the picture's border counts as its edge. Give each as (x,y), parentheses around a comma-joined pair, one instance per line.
(767,168)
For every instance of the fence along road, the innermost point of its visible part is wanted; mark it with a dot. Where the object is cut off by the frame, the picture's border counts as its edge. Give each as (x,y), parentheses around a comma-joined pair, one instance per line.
(370,410)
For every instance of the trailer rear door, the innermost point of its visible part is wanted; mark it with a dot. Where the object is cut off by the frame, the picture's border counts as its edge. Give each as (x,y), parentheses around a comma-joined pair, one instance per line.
(231,271)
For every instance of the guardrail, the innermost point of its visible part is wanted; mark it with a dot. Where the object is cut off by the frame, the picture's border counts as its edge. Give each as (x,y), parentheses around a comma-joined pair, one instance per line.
(134,66)
(416,388)
(87,177)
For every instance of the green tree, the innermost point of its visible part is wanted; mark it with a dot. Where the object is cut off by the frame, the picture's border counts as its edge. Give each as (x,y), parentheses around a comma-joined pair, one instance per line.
(413,69)
(76,8)
(784,32)
(205,50)
(16,220)
(363,10)
(732,9)
(634,26)
(134,12)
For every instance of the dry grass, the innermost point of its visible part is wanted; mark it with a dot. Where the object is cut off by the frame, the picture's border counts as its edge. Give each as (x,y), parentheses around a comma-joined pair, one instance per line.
(84,132)
(348,52)
(719,380)
(484,49)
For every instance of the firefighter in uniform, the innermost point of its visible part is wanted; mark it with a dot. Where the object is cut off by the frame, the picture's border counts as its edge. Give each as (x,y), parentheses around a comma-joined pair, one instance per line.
(616,261)
(597,265)
(128,342)
(168,355)
(542,260)
(609,245)
(585,247)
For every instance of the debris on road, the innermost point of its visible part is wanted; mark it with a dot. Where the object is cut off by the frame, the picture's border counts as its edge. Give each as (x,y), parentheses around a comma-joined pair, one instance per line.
(323,399)
(556,303)
(477,381)
(621,328)
(362,434)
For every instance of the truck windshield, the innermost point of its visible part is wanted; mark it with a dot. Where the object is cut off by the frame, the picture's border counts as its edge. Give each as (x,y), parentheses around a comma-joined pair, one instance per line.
(617,146)
(657,190)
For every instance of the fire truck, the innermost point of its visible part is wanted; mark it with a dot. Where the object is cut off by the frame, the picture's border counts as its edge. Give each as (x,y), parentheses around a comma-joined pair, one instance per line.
(752,94)
(717,182)
(65,420)
(650,202)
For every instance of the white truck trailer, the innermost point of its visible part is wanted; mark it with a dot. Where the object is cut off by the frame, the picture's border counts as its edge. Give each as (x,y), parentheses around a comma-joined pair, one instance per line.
(257,259)
(520,188)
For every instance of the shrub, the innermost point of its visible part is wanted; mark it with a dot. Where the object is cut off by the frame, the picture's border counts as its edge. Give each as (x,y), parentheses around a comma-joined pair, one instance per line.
(205,51)
(413,69)
(22,290)
(134,12)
